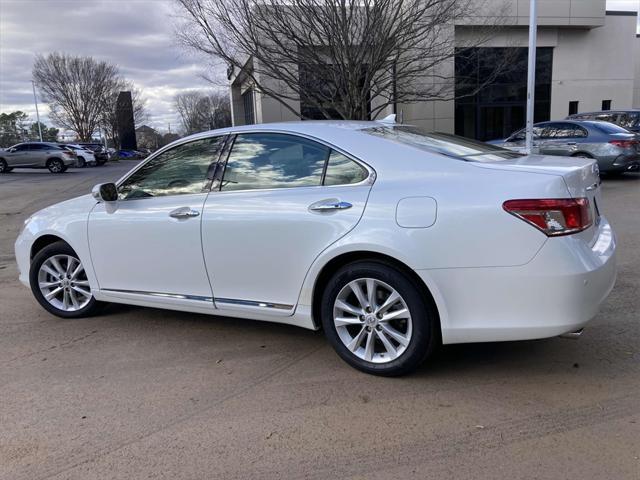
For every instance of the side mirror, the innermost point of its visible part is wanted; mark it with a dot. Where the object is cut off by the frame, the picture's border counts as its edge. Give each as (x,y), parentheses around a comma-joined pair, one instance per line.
(105,192)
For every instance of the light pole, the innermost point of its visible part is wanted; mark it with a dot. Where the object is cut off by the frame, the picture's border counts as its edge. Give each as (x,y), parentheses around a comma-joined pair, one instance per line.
(531,77)
(35,101)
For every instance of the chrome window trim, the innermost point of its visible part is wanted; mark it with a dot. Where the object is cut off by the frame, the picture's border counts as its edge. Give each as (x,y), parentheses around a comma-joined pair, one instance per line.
(369,180)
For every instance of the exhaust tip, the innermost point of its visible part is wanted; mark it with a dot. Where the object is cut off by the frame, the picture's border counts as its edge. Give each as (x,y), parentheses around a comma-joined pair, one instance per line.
(573,335)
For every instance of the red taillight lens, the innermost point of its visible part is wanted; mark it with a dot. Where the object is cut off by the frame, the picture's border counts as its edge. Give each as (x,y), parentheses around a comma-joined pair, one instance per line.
(624,143)
(553,216)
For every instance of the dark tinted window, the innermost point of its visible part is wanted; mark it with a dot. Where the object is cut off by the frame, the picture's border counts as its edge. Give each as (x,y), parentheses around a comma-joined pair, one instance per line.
(274,160)
(521,135)
(178,171)
(21,148)
(40,146)
(341,170)
(629,119)
(563,130)
(606,104)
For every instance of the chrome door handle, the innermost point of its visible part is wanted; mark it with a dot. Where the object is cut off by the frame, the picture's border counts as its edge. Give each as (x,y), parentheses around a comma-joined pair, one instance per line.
(184,212)
(329,205)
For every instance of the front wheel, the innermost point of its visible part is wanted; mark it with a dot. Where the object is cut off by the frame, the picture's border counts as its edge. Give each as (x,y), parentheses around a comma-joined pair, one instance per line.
(377,320)
(59,282)
(4,168)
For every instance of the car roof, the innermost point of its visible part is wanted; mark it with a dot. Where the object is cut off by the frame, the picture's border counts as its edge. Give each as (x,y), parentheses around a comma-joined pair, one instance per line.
(604,112)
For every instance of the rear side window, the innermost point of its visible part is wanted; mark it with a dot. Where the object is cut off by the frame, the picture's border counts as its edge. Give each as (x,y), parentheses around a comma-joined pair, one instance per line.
(274,160)
(606,127)
(443,143)
(341,170)
(629,119)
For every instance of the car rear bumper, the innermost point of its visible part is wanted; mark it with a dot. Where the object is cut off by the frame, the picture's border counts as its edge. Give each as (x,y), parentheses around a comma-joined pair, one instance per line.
(621,163)
(557,292)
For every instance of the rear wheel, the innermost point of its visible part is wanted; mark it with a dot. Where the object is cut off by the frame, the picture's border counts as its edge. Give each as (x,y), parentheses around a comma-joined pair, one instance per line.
(377,320)
(60,284)
(581,155)
(55,165)
(82,162)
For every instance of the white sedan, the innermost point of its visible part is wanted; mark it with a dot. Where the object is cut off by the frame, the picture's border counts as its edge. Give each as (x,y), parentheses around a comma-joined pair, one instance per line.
(390,239)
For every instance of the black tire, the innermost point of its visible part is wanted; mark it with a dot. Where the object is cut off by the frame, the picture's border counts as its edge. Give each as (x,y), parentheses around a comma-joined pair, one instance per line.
(55,165)
(82,162)
(4,168)
(582,155)
(424,338)
(57,248)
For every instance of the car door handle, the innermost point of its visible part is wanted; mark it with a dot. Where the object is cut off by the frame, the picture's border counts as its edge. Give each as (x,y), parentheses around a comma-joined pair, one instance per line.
(329,205)
(184,212)
(571,144)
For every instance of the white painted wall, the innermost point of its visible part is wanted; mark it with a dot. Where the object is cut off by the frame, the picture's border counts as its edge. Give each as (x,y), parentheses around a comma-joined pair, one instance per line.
(594,65)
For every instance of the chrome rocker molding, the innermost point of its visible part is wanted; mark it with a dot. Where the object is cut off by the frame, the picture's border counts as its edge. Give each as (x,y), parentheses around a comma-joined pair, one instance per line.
(250,303)
(223,301)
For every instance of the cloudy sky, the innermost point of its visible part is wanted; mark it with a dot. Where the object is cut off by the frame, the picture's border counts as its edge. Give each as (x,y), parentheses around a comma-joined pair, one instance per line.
(136,35)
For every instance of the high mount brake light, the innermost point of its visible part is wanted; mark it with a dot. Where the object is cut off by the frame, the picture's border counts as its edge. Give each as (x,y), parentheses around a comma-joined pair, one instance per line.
(553,216)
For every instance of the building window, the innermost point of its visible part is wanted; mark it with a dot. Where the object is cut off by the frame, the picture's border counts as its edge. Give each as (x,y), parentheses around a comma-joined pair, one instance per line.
(606,105)
(573,107)
(488,111)
(247,103)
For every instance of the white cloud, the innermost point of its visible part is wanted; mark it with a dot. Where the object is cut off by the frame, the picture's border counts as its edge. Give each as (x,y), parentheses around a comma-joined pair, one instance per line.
(136,35)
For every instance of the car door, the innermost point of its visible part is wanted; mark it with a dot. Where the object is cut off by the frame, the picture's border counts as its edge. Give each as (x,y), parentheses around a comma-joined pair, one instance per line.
(17,156)
(149,242)
(282,200)
(39,154)
(517,141)
(561,138)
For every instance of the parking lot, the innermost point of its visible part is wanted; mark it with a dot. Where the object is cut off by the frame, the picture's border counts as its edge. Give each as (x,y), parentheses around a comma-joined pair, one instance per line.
(144,393)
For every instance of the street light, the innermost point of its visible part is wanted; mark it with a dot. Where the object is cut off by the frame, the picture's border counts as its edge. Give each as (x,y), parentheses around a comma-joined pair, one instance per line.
(531,77)
(35,101)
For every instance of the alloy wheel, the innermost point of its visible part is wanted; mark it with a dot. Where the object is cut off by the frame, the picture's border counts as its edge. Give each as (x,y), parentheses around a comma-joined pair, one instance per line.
(63,283)
(55,166)
(372,320)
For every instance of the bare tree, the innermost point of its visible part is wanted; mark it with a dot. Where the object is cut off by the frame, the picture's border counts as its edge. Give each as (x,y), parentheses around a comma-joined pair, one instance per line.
(109,116)
(199,111)
(345,59)
(76,89)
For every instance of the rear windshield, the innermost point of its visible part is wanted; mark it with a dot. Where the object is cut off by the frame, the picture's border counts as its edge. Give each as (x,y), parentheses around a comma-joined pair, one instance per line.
(607,127)
(443,143)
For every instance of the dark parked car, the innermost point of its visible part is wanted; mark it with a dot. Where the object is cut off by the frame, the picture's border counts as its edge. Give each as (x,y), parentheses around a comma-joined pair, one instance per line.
(616,149)
(629,119)
(99,151)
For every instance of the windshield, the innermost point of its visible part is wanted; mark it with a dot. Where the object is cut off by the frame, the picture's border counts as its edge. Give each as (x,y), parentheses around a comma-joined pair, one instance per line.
(443,143)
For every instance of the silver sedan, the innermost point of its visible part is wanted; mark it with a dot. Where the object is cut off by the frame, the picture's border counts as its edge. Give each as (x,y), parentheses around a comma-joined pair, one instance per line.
(616,149)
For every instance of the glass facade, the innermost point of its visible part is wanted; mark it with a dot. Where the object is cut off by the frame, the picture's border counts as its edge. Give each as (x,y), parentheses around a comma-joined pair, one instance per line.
(491,90)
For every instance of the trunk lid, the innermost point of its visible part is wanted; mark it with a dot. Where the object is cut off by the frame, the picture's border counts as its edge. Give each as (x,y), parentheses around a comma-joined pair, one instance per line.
(581,176)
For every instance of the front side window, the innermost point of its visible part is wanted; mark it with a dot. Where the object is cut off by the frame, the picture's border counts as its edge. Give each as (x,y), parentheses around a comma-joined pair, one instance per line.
(181,170)
(274,160)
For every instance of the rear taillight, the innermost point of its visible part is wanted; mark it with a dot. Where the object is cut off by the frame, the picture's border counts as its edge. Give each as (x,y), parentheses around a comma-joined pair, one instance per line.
(624,143)
(68,153)
(553,216)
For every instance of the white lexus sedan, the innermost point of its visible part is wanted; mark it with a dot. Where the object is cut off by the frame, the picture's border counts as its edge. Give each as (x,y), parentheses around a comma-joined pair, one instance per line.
(391,240)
